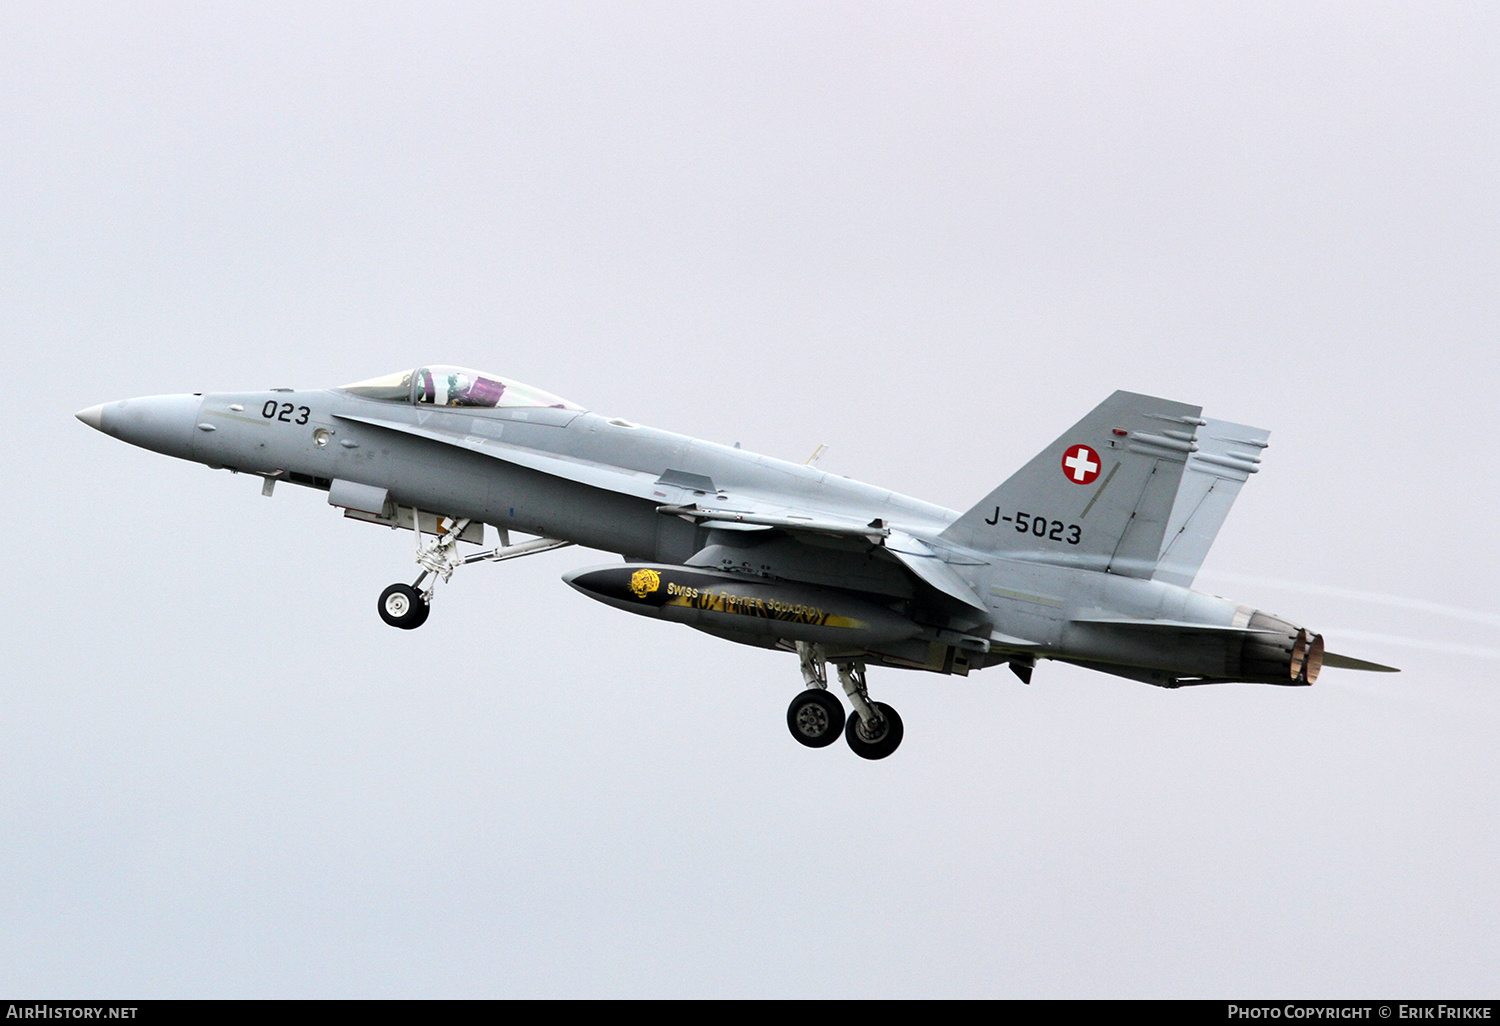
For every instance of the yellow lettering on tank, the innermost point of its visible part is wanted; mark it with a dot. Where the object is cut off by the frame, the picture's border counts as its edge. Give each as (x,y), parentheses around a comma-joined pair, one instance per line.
(749,605)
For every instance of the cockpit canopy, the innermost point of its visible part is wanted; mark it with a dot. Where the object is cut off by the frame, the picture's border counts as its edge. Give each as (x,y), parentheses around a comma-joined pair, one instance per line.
(441,385)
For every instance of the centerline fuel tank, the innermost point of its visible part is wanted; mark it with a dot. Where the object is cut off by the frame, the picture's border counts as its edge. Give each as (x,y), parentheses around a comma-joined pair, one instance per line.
(731,602)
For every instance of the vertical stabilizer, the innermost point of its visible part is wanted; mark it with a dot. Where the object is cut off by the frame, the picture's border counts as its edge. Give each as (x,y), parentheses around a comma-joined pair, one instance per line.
(1227,455)
(1099,497)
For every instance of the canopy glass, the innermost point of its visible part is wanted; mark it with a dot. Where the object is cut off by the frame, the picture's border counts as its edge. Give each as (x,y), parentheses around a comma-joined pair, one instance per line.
(441,385)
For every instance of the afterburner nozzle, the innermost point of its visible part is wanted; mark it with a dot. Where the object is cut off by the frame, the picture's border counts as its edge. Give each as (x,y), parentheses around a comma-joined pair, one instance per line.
(1307,656)
(1314,661)
(1280,652)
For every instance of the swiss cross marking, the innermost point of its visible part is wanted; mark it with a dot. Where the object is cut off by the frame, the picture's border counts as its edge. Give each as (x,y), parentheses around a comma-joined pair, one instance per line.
(1081,464)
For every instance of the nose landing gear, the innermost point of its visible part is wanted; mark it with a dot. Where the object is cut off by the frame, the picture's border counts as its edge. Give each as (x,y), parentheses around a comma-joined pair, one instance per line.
(403,606)
(407,605)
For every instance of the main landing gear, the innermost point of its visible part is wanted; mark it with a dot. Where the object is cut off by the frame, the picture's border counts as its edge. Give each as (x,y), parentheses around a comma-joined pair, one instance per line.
(816,717)
(407,605)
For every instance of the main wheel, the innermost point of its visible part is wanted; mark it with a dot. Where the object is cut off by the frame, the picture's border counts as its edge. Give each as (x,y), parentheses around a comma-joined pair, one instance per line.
(402,606)
(815,718)
(876,744)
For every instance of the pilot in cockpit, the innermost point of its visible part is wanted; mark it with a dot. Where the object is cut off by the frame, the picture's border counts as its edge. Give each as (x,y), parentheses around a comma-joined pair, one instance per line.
(440,385)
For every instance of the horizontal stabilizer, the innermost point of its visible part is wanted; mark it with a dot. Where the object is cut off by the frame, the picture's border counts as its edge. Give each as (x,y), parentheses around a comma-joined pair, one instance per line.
(927,565)
(1344,662)
(1178,626)
(1010,643)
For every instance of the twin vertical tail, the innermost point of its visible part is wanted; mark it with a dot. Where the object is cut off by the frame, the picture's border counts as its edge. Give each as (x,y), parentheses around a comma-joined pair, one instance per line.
(1100,497)
(1227,455)
(1140,488)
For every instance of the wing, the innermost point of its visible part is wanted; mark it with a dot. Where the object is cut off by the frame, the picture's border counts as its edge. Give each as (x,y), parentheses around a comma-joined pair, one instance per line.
(753,515)
(925,562)
(588,472)
(748,511)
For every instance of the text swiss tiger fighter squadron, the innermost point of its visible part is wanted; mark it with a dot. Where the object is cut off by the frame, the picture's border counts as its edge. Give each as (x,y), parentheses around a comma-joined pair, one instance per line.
(1087,554)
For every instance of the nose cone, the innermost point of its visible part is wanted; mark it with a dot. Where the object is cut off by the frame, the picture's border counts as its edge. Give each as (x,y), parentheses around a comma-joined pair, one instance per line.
(612,582)
(161,423)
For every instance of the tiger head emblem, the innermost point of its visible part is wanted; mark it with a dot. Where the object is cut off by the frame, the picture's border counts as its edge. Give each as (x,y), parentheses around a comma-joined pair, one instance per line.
(644,582)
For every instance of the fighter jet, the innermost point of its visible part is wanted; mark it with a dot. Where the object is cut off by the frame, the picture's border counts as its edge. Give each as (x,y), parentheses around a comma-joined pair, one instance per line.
(1087,554)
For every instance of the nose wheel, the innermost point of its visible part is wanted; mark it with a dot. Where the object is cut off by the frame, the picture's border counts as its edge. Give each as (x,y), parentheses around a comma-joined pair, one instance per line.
(403,606)
(407,605)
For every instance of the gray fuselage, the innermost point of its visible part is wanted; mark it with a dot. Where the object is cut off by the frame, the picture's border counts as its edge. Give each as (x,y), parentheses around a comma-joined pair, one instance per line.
(600,482)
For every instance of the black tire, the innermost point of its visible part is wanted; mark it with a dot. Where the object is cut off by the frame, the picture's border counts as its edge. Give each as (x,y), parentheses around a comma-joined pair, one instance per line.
(886,739)
(815,718)
(402,606)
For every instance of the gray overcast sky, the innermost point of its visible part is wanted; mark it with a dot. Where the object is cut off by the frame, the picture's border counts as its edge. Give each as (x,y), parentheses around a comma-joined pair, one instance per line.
(930,236)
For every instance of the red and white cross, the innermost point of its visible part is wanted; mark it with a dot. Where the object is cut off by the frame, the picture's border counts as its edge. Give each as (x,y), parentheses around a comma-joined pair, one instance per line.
(1081,464)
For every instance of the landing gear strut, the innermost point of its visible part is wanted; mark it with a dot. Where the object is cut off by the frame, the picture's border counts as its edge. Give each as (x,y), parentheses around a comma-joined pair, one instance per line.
(875,731)
(816,716)
(407,605)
